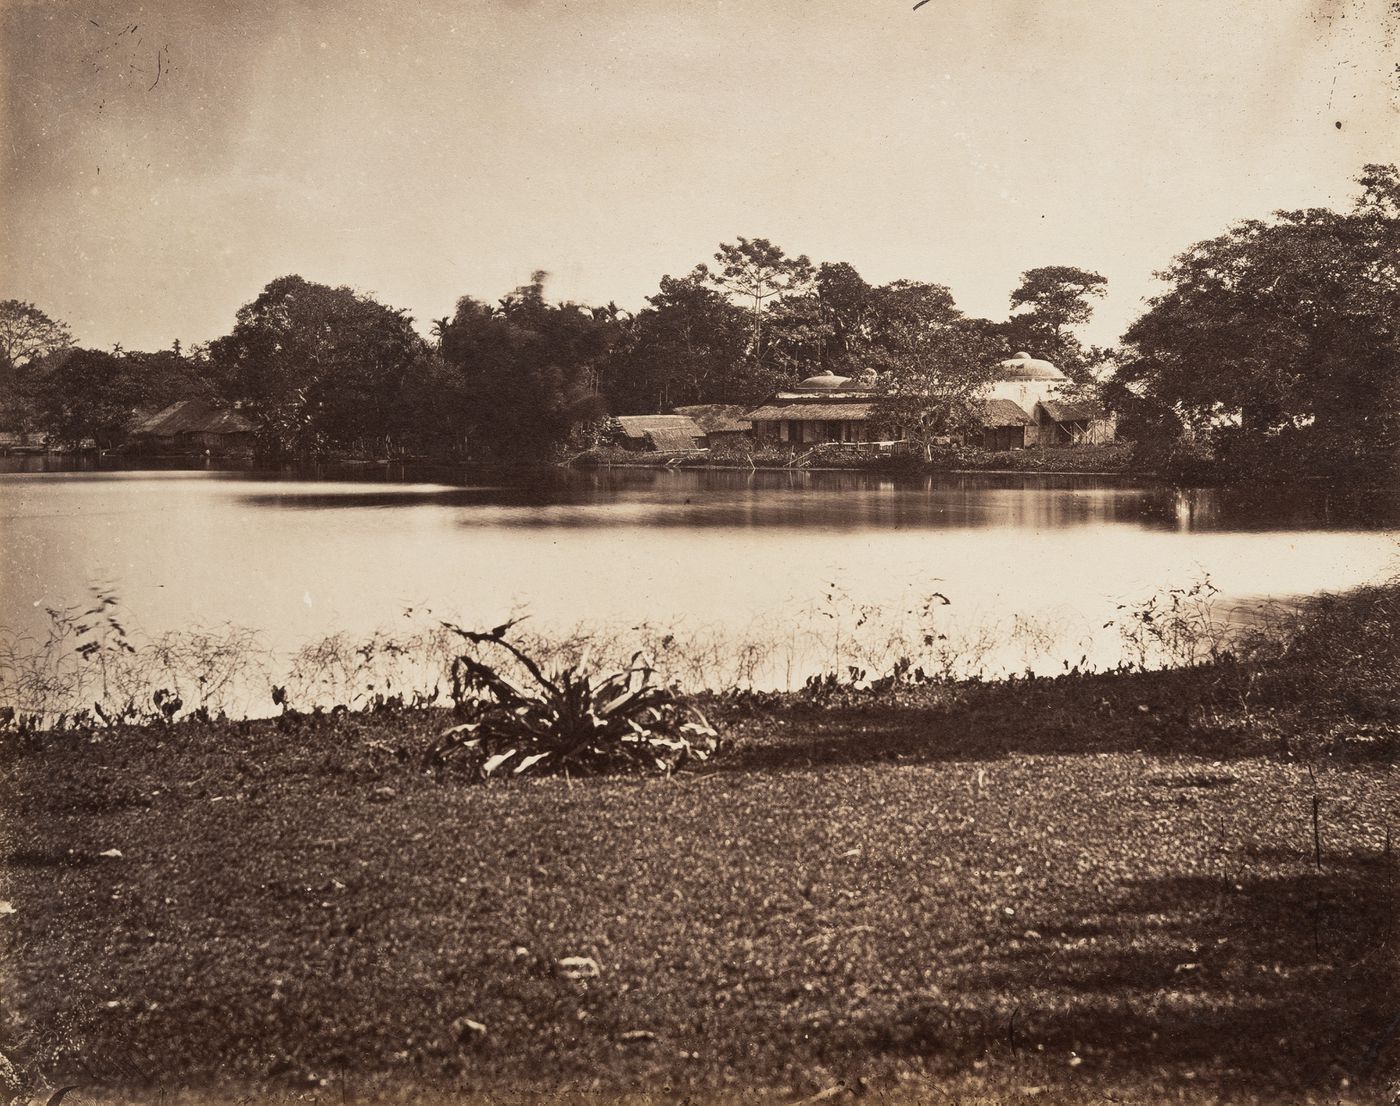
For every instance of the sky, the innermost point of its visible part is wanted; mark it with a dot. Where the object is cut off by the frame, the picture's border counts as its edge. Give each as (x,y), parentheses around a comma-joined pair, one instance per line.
(161,162)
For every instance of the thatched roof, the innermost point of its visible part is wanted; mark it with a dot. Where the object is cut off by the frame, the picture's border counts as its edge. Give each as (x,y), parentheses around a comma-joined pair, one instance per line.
(718,418)
(675,441)
(193,416)
(638,427)
(776,412)
(1060,411)
(1000,412)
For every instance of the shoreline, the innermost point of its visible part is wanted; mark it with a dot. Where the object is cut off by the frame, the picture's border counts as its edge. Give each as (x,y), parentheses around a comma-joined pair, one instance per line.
(18,465)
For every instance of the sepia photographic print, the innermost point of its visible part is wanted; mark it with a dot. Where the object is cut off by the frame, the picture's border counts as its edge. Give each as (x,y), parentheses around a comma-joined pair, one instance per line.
(707,552)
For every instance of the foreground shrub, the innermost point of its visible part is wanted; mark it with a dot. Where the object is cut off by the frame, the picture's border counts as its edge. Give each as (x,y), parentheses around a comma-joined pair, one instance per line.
(572,720)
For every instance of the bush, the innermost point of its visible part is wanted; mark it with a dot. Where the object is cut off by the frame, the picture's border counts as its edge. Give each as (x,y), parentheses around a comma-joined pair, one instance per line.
(572,720)
(1117,457)
(1179,461)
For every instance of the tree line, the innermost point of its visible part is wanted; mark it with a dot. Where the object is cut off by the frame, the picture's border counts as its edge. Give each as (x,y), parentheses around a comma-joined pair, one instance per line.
(1277,334)
(321,369)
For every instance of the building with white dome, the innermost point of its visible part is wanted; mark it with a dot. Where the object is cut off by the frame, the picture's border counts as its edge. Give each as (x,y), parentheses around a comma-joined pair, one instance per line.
(1022,405)
(1026,404)
(824,408)
(1025,381)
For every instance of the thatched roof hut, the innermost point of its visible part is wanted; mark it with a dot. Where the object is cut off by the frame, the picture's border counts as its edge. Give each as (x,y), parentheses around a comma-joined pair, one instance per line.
(1078,422)
(1003,423)
(993,413)
(1058,410)
(776,410)
(719,420)
(658,433)
(195,423)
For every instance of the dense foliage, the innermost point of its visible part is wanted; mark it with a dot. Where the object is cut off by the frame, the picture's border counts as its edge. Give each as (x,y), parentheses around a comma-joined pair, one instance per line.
(524,375)
(323,371)
(27,335)
(320,367)
(79,395)
(1277,340)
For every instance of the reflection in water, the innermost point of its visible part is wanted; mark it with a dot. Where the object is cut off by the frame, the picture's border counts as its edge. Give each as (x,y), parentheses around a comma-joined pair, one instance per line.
(1035,566)
(850,501)
(730,496)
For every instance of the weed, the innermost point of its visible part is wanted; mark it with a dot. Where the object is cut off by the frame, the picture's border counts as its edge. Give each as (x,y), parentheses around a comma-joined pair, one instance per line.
(1177,627)
(572,720)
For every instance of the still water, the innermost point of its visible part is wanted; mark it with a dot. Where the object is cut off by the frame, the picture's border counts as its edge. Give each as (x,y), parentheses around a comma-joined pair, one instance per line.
(1034,565)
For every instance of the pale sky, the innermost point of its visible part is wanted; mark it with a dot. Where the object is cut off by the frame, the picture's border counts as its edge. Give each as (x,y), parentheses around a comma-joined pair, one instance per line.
(424,151)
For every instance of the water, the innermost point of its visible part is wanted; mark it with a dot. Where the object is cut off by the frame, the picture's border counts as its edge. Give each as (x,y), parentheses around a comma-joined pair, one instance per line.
(1033,566)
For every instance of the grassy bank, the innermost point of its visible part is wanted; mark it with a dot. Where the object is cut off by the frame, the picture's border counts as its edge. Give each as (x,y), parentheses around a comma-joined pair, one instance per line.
(1141,886)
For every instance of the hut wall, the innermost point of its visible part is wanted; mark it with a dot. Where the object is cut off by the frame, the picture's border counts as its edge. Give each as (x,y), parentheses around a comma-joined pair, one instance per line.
(818,431)
(998,438)
(1100,432)
(1048,432)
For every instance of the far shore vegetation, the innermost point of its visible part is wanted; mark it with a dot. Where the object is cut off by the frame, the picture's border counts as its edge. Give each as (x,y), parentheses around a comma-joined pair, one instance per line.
(1270,353)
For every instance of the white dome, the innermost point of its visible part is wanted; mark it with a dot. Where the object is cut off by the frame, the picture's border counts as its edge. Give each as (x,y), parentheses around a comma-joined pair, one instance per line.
(1025,367)
(826,382)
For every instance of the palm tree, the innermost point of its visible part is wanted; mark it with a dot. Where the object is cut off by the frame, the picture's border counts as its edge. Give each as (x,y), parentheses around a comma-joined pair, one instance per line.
(439,330)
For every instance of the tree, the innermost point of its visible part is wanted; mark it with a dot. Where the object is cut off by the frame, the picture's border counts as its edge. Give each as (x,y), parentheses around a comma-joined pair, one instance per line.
(320,367)
(167,375)
(528,370)
(1287,324)
(798,337)
(1046,306)
(27,335)
(846,303)
(75,394)
(933,362)
(755,271)
(687,346)
(81,394)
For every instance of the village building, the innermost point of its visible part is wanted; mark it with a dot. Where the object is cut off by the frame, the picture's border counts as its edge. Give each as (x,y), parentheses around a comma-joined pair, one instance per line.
(1058,422)
(657,433)
(1003,424)
(721,422)
(1025,407)
(194,426)
(1020,407)
(1025,381)
(825,408)
(20,441)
